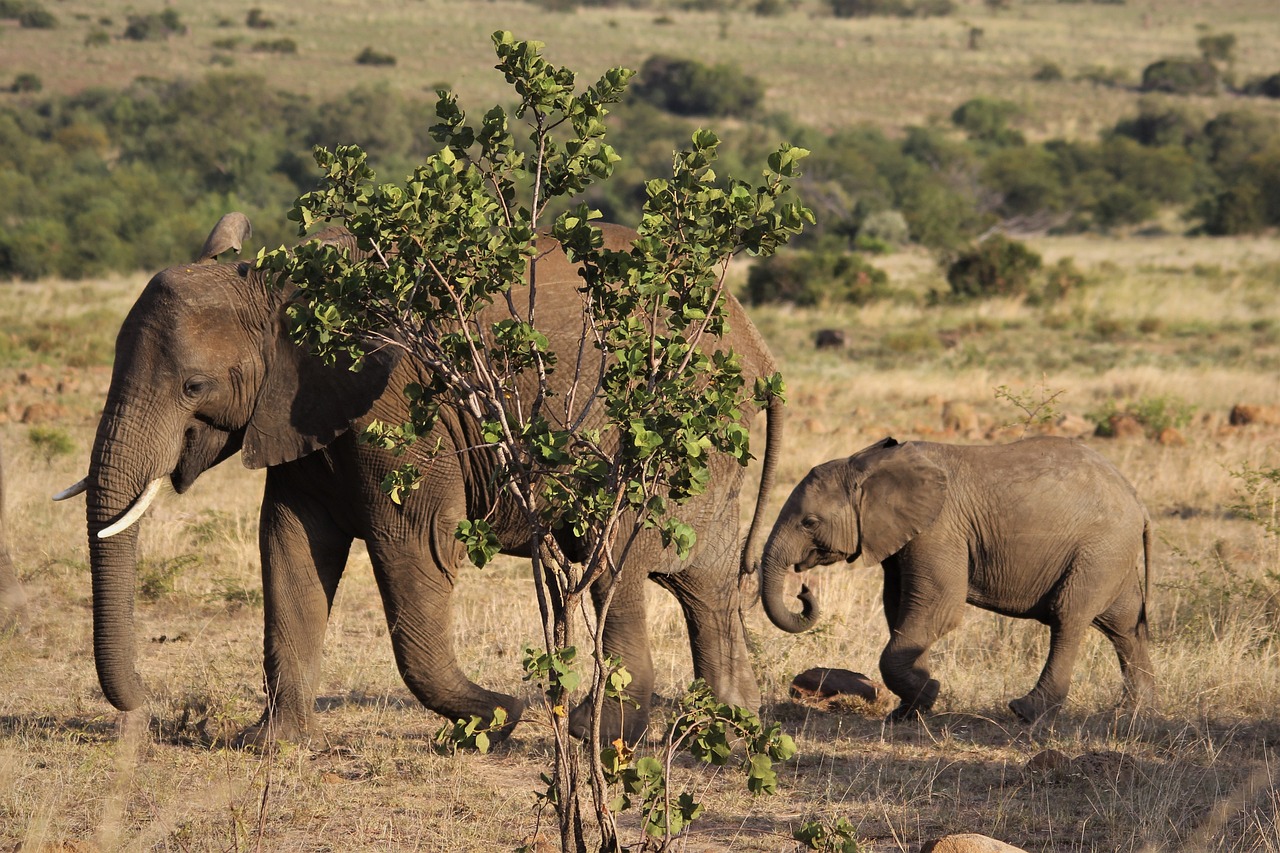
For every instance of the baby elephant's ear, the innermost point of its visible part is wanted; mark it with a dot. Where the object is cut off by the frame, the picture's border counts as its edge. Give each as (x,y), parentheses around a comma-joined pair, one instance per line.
(901,495)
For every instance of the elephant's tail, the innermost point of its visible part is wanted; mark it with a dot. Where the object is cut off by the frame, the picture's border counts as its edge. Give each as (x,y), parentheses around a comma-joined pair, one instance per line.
(751,549)
(1146,566)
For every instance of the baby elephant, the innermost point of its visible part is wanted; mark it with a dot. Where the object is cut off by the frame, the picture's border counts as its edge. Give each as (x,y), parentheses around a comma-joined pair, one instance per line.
(1042,529)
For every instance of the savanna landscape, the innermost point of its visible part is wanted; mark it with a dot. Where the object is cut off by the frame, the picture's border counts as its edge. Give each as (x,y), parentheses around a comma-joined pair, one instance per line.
(1150,335)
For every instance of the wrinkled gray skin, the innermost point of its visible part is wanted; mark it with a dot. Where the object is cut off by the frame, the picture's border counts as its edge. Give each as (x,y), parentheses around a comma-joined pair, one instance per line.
(203,370)
(1042,529)
(12,598)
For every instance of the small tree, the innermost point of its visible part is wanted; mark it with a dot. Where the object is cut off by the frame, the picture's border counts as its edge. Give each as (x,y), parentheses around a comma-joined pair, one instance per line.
(455,241)
(997,266)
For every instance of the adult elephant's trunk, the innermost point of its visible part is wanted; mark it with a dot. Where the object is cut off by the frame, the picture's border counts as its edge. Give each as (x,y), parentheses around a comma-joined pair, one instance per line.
(774,569)
(118,476)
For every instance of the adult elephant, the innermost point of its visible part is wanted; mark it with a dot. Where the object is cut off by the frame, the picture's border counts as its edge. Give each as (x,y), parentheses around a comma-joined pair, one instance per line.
(204,368)
(12,598)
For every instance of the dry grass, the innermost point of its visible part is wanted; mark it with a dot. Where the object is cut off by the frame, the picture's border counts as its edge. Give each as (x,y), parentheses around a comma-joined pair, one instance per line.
(824,72)
(1193,774)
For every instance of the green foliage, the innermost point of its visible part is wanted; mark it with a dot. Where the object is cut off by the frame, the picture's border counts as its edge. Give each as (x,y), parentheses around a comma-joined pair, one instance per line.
(1267,87)
(155,26)
(838,836)
(1257,499)
(688,87)
(97,38)
(257,19)
(708,730)
(987,119)
(1154,414)
(814,278)
(998,266)
(35,17)
(1048,72)
(1180,76)
(50,443)
(369,56)
(26,82)
(1038,406)
(472,733)
(1217,48)
(157,579)
(281,45)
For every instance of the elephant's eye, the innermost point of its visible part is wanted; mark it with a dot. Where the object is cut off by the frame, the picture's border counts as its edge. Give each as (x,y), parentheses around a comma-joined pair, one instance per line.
(196,386)
(809,522)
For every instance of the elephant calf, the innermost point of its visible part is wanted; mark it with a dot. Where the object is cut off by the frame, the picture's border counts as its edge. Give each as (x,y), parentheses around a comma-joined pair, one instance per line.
(1043,529)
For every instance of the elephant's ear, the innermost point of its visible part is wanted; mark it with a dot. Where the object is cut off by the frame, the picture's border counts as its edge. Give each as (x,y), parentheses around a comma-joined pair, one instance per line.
(304,404)
(901,495)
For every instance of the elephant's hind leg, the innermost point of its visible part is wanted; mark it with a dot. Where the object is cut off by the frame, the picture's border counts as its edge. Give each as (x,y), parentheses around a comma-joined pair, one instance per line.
(1051,689)
(302,562)
(416,595)
(1125,624)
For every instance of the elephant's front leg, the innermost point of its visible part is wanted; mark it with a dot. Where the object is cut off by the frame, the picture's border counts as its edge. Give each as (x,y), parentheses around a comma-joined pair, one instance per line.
(416,593)
(919,609)
(303,555)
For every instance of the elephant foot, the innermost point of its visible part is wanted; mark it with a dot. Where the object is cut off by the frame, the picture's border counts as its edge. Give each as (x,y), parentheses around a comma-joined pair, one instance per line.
(920,705)
(628,723)
(267,732)
(1030,709)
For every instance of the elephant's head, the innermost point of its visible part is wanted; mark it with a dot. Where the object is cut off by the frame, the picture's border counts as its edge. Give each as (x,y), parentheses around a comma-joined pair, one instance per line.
(870,504)
(203,368)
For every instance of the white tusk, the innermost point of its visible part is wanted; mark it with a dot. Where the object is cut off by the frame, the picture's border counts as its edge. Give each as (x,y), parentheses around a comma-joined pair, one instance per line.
(71,491)
(135,512)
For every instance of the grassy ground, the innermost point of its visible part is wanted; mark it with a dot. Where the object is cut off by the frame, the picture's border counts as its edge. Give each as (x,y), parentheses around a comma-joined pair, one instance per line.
(1189,322)
(824,72)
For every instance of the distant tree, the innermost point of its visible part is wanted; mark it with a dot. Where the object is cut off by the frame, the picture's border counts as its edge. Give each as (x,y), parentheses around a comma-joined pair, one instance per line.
(688,87)
(1180,76)
(1217,48)
(369,56)
(998,266)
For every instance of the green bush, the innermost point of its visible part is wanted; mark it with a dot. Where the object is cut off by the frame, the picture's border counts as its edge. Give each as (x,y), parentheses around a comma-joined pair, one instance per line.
(1048,72)
(1217,48)
(987,120)
(369,56)
(284,45)
(257,20)
(37,18)
(1267,87)
(998,266)
(1238,209)
(26,82)
(816,277)
(156,26)
(1182,76)
(688,87)
(1154,414)
(97,38)
(11,9)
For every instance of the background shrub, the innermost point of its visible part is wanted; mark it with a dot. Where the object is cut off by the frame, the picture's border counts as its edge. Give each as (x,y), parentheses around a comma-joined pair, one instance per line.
(998,266)
(26,82)
(37,18)
(688,87)
(987,120)
(1181,77)
(369,56)
(155,26)
(815,277)
(283,45)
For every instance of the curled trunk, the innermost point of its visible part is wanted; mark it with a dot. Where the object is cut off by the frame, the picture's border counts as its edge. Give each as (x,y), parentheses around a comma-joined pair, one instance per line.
(773,572)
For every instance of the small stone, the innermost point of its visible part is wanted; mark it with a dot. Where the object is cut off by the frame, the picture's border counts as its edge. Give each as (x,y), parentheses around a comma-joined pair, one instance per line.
(1170,437)
(968,842)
